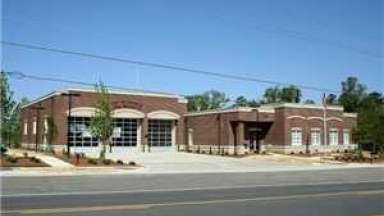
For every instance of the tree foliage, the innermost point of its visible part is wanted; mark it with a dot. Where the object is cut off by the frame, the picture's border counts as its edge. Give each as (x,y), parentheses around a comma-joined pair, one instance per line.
(9,113)
(102,122)
(208,100)
(370,127)
(331,99)
(289,94)
(352,94)
(242,101)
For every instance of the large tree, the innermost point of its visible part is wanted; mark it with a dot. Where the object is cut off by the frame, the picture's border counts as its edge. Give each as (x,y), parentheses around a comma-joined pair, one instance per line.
(370,127)
(102,122)
(352,94)
(208,100)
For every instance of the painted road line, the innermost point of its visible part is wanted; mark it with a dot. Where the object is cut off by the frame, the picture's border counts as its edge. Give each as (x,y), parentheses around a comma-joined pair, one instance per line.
(74,193)
(171,204)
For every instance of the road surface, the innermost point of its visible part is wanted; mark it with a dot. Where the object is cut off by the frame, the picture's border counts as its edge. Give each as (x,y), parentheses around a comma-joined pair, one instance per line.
(337,192)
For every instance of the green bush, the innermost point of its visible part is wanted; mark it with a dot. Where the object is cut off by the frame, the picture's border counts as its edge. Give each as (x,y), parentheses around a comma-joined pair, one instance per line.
(3,150)
(92,161)
(132,163)
(120,162)
(107,161)
(35,160)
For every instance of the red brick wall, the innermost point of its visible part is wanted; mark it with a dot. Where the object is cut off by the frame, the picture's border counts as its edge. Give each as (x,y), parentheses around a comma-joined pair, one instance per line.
(57,107)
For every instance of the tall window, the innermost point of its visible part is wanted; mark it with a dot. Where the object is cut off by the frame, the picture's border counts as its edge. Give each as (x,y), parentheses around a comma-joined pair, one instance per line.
(333,137)
(160,132)
(25,128)
(296,137)
(124,132)
(34,126)
(79,132)
(346,137)
(315,137)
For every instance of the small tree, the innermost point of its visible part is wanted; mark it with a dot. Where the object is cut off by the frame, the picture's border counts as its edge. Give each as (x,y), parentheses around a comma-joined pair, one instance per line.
(102,123)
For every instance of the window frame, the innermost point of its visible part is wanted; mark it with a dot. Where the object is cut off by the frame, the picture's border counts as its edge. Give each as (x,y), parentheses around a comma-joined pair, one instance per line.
(333,140)
(295,132)
(346,132)
(316,131)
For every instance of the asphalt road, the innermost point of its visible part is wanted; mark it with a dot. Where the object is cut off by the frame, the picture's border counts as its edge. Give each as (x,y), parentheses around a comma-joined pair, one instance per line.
(342,192)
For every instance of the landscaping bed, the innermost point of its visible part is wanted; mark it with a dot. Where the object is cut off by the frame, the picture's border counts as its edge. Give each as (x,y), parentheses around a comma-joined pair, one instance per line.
(83,161)
(12,161)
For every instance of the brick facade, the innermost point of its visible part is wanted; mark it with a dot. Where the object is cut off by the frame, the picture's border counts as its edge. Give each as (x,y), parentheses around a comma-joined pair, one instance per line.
(56,105)
(271,126)
(235,131)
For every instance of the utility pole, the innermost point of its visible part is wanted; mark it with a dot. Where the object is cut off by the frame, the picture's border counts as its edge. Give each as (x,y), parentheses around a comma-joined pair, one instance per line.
(37,109)
(69,95)
(325,119)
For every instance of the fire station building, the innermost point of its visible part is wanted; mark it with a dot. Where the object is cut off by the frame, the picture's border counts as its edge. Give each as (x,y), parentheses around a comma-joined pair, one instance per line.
(151,121)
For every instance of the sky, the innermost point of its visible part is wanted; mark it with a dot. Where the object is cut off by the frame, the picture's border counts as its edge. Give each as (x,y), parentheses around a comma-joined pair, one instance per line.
(306,42)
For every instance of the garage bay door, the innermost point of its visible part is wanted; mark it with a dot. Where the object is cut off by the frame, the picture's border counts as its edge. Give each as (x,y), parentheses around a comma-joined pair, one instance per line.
(160,132)
(125,132)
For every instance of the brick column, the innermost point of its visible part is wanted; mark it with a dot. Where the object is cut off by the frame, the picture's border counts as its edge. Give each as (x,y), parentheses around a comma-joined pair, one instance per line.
(239,136)
(144,134)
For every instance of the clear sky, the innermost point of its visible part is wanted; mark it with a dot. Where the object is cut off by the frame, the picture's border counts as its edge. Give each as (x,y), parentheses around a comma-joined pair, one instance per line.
(310,42)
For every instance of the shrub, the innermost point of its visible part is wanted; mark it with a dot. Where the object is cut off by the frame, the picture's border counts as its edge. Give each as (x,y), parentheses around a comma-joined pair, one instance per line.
(107,161)
(120,162)
(132,163)
(35,160)
(202,152)
(292,153)
(301,152)
(92,161)
(25,154)
(3,150)
(12,159)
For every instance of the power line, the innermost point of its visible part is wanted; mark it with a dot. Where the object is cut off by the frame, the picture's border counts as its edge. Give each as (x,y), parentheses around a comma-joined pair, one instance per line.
(280,31)
(20,76)
(163,66)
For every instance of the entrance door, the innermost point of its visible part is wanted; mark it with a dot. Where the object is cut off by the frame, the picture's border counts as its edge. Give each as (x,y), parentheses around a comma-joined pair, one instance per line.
(254,139)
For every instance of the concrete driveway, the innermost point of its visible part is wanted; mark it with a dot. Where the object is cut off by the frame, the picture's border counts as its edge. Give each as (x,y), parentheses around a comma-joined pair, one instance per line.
(181,162)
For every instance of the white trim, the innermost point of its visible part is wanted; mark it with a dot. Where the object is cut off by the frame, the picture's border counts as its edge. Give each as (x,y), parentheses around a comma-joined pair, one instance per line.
(163,114)
(335,118)
(127,113)
(315,117)
(216,111)
(307,106)
(296,116)
(82,112)
(350,115)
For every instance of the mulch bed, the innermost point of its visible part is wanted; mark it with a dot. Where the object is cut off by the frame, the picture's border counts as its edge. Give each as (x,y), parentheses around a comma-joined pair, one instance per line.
(90,162)
(21,162)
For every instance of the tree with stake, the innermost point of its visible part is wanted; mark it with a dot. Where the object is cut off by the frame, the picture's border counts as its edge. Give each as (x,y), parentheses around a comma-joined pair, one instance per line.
(102,122)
